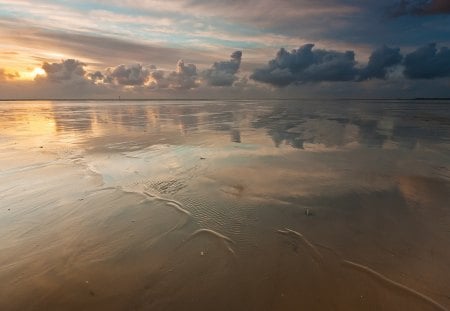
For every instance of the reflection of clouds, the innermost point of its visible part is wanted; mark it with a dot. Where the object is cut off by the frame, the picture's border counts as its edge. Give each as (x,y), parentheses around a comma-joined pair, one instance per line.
(221,121)
(369,134)
(188,122)
(145,124)
(423,192)
(72,118)
(134,116)
(297,125)
(326,132)
(371,124)
(313,125)
(236,136)
(303,176)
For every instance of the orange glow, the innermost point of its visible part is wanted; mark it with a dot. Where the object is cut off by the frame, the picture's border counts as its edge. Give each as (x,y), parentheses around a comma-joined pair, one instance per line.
(38,71)
(32,74)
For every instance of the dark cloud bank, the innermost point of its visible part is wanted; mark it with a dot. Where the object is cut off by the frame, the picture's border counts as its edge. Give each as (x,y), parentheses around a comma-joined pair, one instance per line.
(428,62)
(306,65)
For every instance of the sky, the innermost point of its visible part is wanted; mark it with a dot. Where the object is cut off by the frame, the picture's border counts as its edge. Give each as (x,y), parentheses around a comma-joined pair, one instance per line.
(60,49)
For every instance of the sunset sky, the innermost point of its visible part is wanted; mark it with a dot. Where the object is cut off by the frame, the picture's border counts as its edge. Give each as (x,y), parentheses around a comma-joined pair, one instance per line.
(224,49)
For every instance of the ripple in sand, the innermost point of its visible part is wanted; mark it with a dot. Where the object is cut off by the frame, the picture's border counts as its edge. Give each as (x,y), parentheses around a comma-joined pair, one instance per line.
(223,238)
(388,282)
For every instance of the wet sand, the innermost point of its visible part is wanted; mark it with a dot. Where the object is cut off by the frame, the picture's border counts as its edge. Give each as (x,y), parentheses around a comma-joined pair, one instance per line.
(239,205)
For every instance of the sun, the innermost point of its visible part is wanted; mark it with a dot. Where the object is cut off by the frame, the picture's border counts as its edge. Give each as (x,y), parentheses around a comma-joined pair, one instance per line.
(38,72)
(31,73)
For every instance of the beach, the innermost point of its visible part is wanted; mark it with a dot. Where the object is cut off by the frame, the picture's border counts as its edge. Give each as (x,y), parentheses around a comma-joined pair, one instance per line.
(225,205)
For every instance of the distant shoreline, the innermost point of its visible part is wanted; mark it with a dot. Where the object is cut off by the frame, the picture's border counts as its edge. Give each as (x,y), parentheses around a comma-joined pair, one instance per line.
(216,99)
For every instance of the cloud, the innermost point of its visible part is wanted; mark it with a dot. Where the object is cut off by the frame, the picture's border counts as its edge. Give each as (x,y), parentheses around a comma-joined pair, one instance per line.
(183,78)
(133,75)
(96,49)
(96,76)
(143,31)
(307,65)
(66,70)
(8,76)
(379,62)
(224,73)
(66,79)
(427,62)
(420,7)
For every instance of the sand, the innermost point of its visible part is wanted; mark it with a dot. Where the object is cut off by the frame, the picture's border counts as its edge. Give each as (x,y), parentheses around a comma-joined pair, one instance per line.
(239,205)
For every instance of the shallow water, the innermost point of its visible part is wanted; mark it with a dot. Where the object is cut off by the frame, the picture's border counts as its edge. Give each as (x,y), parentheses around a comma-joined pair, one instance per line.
(225,205)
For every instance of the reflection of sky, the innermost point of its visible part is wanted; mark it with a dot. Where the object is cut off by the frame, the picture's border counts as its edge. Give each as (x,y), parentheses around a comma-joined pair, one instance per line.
(346,140)
(301,148)
(295,124)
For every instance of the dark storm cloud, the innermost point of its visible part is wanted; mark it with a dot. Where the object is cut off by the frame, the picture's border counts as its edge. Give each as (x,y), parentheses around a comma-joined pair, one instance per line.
(66,70)
(421,7)
(224,73)
(307,65)
(379,63)
(427,62)
(127,75)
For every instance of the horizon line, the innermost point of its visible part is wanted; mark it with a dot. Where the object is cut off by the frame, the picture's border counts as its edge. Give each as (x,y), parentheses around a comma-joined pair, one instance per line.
(218,99)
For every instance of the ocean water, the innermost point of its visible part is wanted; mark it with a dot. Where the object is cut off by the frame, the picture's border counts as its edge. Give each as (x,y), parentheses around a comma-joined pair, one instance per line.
(225,205)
